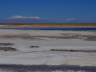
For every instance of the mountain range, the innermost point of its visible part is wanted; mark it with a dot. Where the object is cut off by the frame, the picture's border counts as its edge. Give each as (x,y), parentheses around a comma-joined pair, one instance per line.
(26,20)
(23,19)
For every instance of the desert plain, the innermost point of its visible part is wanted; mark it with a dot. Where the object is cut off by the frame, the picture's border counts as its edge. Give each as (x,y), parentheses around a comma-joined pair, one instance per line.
(47,47)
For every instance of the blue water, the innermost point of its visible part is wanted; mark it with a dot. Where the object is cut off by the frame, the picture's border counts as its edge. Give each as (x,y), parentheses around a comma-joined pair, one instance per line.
(51,28)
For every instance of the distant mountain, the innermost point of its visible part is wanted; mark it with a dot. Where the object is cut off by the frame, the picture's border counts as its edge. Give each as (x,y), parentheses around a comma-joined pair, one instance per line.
(22,19)
(36,19)
(72,21)
(77,21)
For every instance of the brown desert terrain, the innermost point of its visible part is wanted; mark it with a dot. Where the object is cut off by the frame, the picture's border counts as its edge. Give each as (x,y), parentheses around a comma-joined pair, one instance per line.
(48,24)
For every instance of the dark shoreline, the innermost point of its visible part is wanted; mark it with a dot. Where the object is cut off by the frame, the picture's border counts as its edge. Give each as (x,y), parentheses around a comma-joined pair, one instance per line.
(24,68)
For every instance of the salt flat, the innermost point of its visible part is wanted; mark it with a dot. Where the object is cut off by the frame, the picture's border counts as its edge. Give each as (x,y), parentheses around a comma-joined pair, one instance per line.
(42,55)
(44,32)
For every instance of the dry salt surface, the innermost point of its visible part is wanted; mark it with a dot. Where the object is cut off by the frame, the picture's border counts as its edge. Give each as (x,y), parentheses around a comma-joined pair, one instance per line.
(39,56)
(45,33)
(43,56)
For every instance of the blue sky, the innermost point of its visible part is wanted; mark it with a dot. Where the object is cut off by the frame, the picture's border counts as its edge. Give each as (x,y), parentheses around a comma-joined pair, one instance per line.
(52,10)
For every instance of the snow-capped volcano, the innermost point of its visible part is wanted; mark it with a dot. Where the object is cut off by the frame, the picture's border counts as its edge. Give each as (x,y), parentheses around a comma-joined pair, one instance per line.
(73,20)
(23,19)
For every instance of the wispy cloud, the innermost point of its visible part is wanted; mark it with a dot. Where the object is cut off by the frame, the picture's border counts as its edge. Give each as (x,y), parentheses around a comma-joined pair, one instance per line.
(71,19)
(23,17)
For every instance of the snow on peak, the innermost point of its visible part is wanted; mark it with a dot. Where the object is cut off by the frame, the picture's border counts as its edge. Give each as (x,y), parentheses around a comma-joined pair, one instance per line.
(71,19)
(23,17)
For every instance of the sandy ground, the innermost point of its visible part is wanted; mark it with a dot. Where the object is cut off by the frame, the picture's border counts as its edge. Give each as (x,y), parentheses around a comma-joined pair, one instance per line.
(42,55)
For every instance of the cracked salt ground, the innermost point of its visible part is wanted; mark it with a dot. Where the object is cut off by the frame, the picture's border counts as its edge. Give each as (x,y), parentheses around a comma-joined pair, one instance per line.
(27,56)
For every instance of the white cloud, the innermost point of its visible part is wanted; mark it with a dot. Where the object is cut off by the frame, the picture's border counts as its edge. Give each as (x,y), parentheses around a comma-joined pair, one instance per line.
(71,19)
(23,17)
